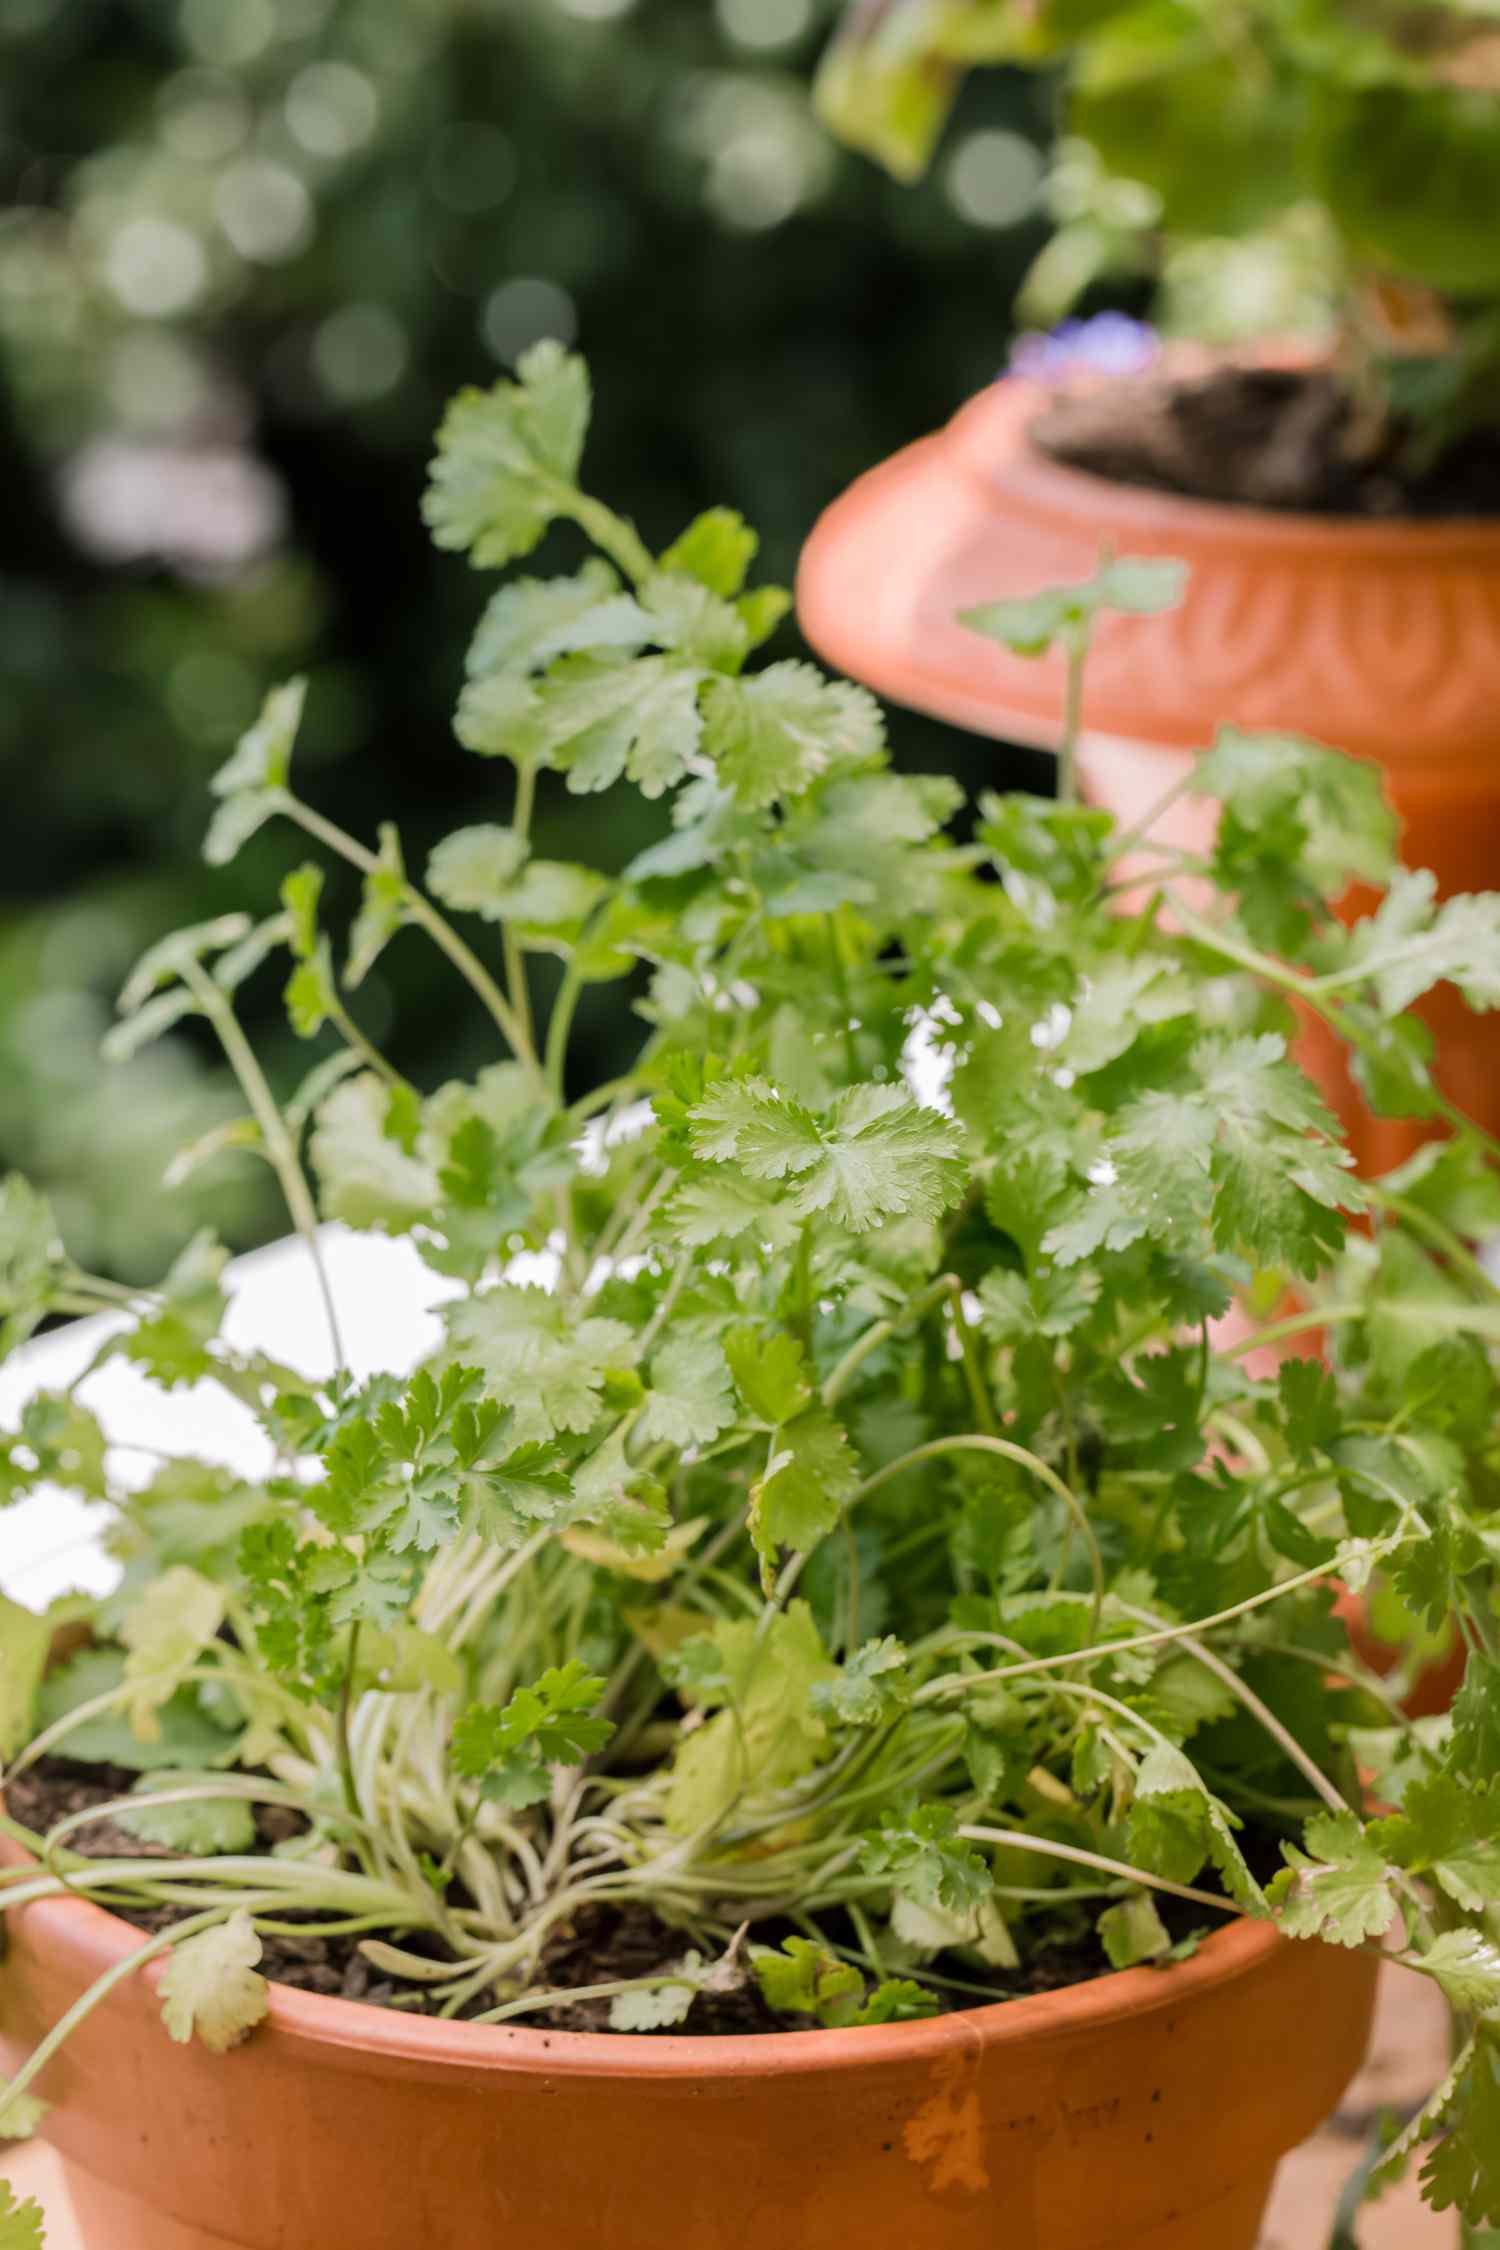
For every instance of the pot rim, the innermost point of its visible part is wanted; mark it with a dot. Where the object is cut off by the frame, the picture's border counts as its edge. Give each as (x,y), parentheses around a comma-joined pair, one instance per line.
(98,1940)
(1024,473)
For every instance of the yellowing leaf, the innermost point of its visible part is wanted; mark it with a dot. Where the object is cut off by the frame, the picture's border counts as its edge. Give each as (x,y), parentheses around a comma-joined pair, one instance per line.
(165,1634)
(211,1989)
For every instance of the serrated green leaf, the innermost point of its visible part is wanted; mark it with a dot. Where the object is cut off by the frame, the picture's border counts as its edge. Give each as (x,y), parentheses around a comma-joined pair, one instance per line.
(770,1370)
(773,735)
(508,457)
(1339,1889)
(366,1178)
(688,1400)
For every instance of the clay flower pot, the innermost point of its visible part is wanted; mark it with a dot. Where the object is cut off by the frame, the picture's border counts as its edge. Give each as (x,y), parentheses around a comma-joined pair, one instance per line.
(1145,2111)
(1379,638)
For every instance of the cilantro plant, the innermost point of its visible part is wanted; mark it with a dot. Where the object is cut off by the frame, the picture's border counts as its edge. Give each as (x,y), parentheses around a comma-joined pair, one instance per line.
(842,1518)
(1355,147)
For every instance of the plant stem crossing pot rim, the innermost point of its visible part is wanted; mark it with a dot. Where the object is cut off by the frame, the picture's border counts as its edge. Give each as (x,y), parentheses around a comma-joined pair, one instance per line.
(99,1941)
(1146,2110)
(1376,635)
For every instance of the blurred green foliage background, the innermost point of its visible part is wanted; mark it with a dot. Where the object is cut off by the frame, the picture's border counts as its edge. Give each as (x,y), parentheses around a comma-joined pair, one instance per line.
(248,248)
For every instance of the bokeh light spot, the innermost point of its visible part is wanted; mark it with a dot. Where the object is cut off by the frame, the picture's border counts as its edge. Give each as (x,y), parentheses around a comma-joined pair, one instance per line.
(155,267)
(523,311)
(331,108)
(765,24)
(994,178)
(360,353)
(264,210)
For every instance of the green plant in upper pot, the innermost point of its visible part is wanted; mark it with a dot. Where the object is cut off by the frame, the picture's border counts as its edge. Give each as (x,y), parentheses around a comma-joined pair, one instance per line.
(1373,131)
(1346,578)
(858,1575)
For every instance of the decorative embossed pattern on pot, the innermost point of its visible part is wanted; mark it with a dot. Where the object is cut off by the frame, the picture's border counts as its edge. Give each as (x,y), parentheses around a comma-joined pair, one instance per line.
(1379,638)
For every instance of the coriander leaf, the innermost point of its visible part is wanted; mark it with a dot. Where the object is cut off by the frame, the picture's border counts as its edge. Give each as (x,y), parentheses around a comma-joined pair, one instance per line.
(1328,812)
(1339,1889)
(1463,2171)
(1176,1825)
(662,2003)
(797,1500)
(210,1988)
(1466,1964)
(770,1370)
(1410,943)
(25,1640)
(172,1342)
(165,1632)
(925,1860)
(200,1828)
(486,871)
(1451,1832)
(1312,1419)
(531,620)
(1133,1932)
(769,1737)
(717,549)
(599,720)
(773,735)
(20,2117)
(537,1357)
(871,1687)
(366,1177)
(30,1256)
(801,1979)
(21,2224)
(1028,625)
(186,1735)
(688,1400)
(507,458)
(249,783)
(172,956)
(873,1154)
(898,2000)
(714,1207)
(383,909)
(509,1747)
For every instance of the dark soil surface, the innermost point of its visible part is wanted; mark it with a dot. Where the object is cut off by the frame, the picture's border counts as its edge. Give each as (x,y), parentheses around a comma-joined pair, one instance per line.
(601,1947)
(1264,437)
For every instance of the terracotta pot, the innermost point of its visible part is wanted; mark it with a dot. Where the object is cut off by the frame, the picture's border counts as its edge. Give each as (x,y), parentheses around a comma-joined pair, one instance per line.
(1380,638)
(1437,1682)
(1145,2111)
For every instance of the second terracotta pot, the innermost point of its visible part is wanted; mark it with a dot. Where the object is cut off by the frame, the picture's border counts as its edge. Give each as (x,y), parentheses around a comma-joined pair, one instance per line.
(1145,2111)
(1379,638)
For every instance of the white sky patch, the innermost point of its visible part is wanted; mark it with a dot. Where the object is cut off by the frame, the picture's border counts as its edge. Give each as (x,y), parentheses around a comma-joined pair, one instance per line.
(926,1065)
(1052,1029)
(611,1131)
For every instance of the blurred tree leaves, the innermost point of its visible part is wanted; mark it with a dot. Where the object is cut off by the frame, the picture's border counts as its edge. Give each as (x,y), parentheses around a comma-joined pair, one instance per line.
(246,255)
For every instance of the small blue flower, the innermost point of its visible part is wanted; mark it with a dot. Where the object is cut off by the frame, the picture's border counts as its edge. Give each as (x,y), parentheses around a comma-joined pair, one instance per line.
(1110,343)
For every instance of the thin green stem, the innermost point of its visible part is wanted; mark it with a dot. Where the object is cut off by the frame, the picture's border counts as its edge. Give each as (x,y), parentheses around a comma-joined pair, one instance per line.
(1016,1840)
(614,535)
(881,1332)
(274,1132)
(962,1683)
(1076,653)
(427,917)
(559,1026)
